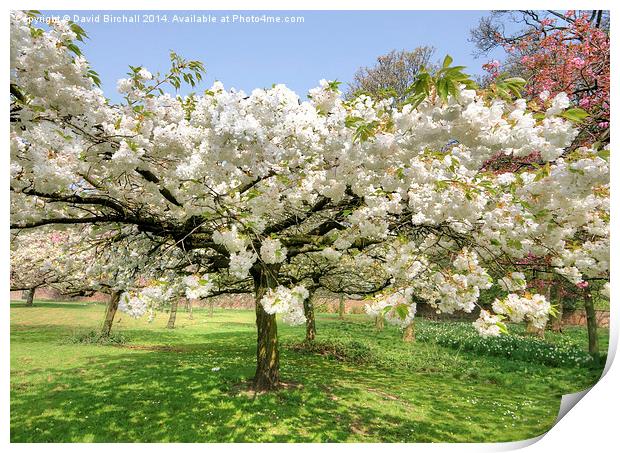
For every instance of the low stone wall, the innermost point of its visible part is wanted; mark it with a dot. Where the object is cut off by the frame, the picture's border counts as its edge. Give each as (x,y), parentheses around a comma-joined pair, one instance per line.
(578,318)
(53,295)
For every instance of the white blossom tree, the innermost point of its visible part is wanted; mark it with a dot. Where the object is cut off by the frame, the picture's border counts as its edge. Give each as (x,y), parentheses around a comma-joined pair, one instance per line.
(253,181)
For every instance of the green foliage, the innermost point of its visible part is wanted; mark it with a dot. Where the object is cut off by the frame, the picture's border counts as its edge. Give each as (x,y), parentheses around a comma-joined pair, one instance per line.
(507,88)
(445,82)
(95,337)
(191,72)
(463,336)
(363,131)
(344,350)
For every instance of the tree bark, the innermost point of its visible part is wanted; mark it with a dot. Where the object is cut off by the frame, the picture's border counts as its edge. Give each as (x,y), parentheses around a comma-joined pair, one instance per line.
(409,333)
(267,376)
(341,307)
(588,303)
(190,309)
(310,323)
(379,322)
(30,297)
(556,325)
(173,313)
(530,328)
(110,312)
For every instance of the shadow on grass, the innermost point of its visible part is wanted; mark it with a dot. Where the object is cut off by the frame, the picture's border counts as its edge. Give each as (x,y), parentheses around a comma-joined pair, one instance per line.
(177,396)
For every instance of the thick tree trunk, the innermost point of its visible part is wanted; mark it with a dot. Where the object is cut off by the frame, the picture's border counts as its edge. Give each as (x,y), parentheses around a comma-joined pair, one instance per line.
(30,297)
(379,322)
(341,307)
(310,323)
(110,312)
(409,333)
(173,313)
(267,376)
(588,303)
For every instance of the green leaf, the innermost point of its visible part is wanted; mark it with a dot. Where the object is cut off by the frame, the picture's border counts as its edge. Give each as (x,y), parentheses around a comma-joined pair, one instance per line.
(502,327)
(603,154)
(447,61)
(575,114)
(402,310)
(442,89)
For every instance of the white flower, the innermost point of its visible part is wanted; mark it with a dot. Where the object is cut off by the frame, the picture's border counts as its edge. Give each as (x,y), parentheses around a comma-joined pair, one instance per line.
(487,324)
(288,302)
(559,103)
(513,282)
(272,251)
(144,74)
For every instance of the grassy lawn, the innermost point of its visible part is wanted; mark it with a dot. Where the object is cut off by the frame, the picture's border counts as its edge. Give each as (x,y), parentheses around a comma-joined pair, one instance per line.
(163,385)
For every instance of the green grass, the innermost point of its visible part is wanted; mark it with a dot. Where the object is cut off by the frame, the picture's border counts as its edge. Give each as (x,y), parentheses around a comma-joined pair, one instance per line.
(160,386)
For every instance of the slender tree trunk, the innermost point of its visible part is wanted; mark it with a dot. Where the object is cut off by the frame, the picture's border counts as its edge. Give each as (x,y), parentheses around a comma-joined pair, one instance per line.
(379,322)
(211,304)
(30,297)
(110,312)
(556,325)
(588,303)
(267,376)
(341,307)
(530,328)
(173,313)
(409,333)
(310,323)
(190,308)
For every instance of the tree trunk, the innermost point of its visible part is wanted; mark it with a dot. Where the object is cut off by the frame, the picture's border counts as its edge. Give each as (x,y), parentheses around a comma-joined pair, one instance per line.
(556,324)
(111,308)
(379,322)
(530,328)
(190,309)
(588,303)
(310,323)
(267,376)
(341,307)
(409,333)
(30,297)
(173,313)
(211,304)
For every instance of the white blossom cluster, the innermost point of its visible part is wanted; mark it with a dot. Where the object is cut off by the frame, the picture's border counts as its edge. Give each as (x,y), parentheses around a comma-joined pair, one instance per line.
(197,287)
(488,325)
(530,307)
(287,302)
(513,282)
(272,251)
(397,308)
(133,305)
(459,288)
(136,303)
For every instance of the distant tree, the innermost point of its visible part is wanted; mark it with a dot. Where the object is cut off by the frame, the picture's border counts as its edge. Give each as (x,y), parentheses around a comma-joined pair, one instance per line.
(392,74)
